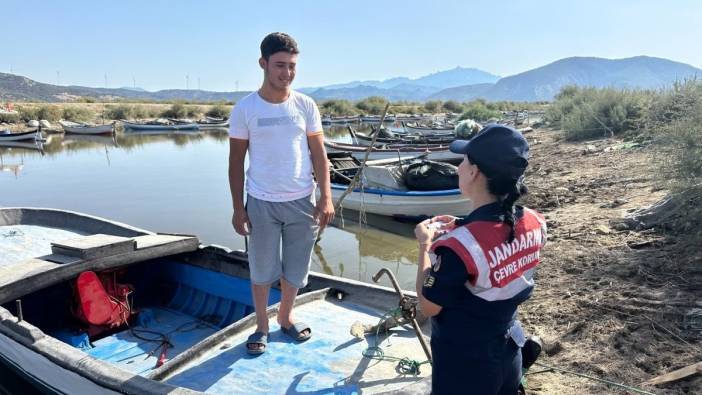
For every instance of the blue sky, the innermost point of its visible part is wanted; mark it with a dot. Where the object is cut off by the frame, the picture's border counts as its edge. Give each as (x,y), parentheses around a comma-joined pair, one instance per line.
(158,43)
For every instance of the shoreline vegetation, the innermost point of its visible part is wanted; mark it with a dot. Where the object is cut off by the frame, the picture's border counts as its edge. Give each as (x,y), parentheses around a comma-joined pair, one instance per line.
(90,110)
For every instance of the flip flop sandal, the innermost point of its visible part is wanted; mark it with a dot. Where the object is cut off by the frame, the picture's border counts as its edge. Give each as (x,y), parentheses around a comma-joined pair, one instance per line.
(257,339)
(295,331)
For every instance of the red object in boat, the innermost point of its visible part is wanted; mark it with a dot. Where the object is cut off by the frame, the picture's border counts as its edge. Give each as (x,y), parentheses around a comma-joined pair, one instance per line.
(102,302)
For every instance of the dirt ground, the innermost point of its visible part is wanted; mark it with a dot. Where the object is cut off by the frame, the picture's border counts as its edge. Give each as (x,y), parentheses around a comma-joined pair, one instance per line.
(614,304)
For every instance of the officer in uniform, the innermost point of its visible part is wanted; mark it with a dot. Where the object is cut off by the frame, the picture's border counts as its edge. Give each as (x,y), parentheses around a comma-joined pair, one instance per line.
(475,271)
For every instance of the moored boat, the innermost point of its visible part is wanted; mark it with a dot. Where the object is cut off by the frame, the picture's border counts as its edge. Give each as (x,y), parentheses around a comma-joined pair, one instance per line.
(213,123)
(434,129)
(159,125)
(437,152)
(6,135)
(385,189)
(84,128)
(396,138)
(189,312)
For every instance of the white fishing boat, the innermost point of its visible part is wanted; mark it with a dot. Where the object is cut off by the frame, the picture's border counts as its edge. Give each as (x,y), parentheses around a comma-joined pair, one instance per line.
(6,135)
(213,123)
(384,188)
(405,204)
(437,152)
(161,126)
(85,128)
(433,130)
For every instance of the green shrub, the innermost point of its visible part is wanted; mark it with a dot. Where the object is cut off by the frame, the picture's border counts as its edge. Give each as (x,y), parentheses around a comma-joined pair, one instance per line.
(219,111)
(453,106)
(9,117)
(177,110)
(432,106)
(49,112)
(478,110)
(373,105)
(193,111)
(338,107)
(78,114)
(120,111)
(590,112)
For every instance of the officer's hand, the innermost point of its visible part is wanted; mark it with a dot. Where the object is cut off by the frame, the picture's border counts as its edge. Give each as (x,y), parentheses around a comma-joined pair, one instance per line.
(424,231)
(448,223)
(241,223)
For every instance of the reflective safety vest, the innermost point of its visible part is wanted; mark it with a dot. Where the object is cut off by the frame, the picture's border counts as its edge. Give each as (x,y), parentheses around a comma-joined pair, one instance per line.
(498,269)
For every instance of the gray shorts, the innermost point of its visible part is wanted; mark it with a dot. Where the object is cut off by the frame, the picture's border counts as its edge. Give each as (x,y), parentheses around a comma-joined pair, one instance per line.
(294,224)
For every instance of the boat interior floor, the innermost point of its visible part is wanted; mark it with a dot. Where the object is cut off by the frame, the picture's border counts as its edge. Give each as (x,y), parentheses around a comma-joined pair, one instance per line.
(161,331)
(331,361)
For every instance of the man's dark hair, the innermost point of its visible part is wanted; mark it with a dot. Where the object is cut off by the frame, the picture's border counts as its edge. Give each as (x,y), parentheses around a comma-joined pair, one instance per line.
(278,42)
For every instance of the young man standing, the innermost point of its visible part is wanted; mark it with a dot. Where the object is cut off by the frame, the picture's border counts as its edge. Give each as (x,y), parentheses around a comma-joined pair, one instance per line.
(282,131)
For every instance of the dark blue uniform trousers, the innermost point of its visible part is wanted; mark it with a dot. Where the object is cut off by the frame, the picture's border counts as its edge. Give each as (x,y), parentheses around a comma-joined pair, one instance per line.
(490,367)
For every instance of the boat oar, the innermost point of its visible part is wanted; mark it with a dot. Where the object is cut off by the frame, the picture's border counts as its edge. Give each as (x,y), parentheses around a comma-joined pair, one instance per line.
(408,309)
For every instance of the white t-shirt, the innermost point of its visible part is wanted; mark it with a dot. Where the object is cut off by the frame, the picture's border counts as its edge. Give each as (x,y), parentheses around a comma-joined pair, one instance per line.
(280,165)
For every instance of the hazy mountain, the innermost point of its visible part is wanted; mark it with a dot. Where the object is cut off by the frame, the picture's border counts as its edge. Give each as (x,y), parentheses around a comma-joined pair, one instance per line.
(543,83)
(461,93)
(436,81)
(18,88)
(459,84)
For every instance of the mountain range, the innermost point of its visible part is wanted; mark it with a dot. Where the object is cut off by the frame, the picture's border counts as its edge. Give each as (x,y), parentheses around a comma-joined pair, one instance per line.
(460,84)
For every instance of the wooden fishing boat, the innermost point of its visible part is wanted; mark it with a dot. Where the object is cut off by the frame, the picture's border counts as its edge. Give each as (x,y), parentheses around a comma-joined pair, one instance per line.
(189,310)
(163,126)
(422,129)
(376,118)
(6,135)
(84,128)
(409,139)
(213,123)
(395,200)
(340,120)
(437,152)
(403,204)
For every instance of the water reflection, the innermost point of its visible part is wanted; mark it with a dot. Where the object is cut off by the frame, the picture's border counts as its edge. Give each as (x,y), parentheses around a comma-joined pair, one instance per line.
(177,183)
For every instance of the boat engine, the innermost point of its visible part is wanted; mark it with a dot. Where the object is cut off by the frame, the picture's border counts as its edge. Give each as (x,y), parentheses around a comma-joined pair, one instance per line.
(102,302)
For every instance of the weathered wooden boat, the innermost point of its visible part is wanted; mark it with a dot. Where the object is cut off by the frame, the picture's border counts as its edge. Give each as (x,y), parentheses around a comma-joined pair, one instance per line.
(340,120)
(6,135)
(139,126)
(381,191)
(437,152)
(403,204)
(189,311)
(376,118)
(396,138)
(84,128)
(213,123)
(422,129)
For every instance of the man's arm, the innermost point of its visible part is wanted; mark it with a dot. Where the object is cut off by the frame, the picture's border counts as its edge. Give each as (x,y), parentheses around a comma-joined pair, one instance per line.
(237,153)
(325,208)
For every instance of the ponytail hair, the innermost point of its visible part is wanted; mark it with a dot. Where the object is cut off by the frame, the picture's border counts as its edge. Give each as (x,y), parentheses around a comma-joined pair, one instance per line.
(508,192)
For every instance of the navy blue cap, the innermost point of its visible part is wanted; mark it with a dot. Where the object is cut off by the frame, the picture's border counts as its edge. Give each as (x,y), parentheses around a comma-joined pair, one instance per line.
(499,151)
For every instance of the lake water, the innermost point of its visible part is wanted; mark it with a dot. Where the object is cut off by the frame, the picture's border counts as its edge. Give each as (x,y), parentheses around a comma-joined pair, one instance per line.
(177,183)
